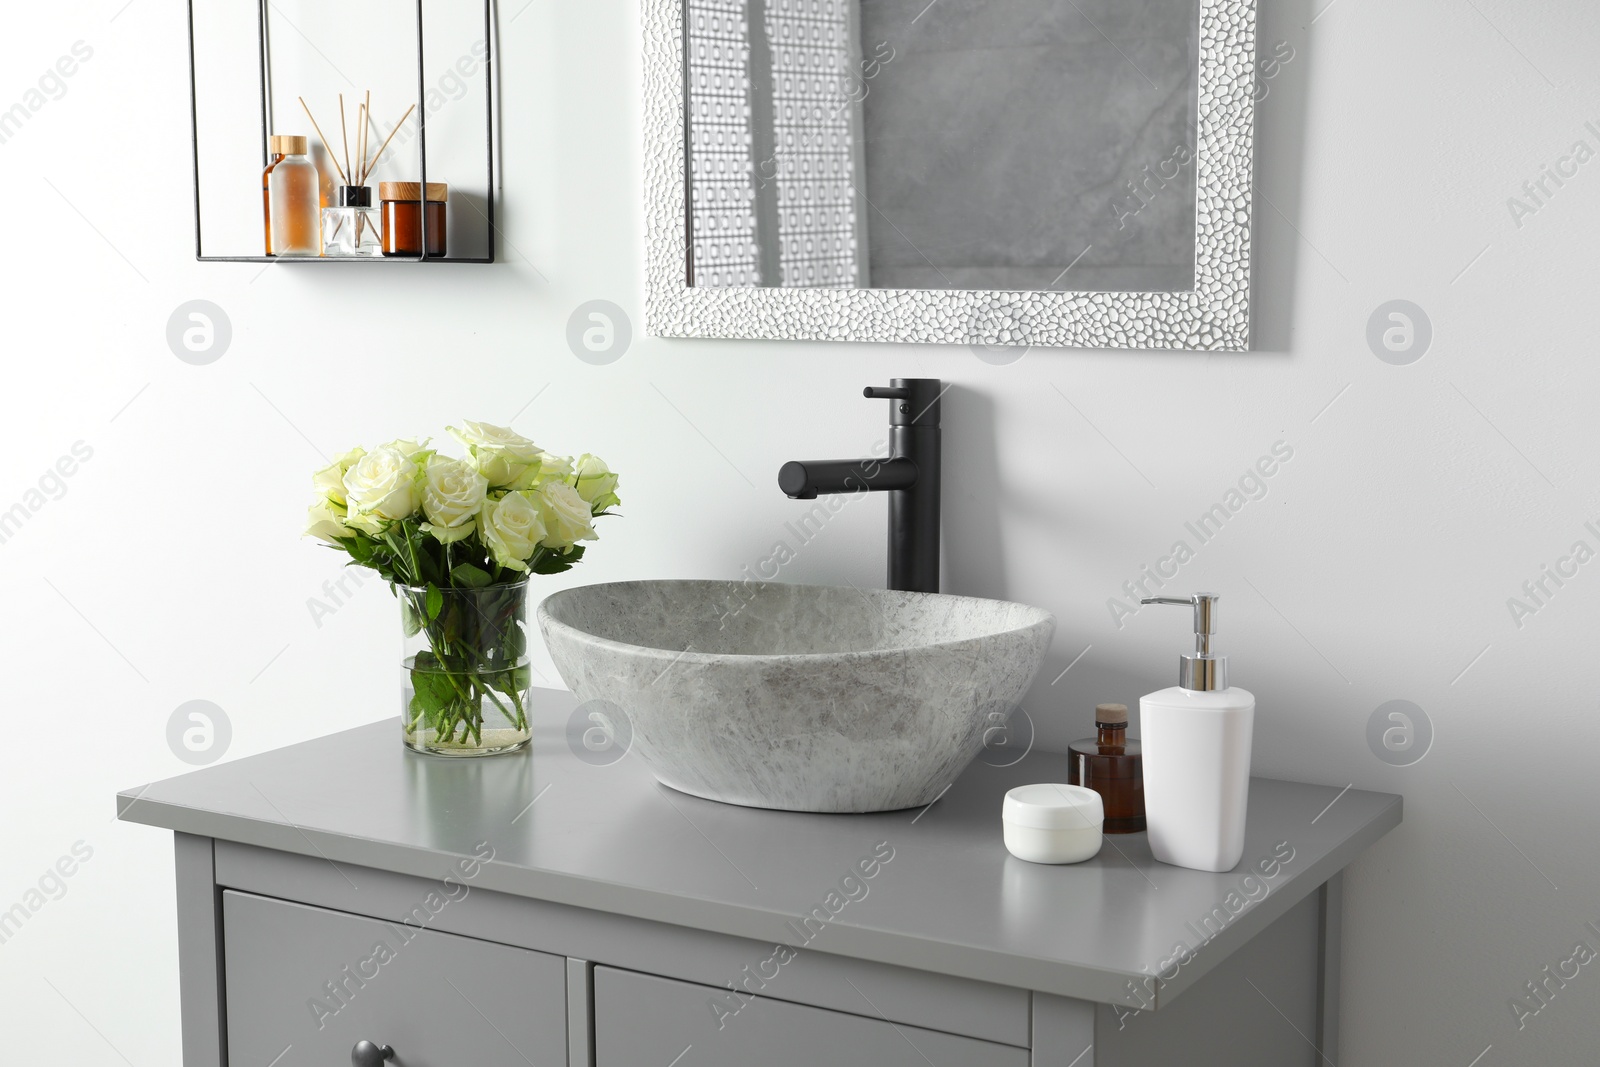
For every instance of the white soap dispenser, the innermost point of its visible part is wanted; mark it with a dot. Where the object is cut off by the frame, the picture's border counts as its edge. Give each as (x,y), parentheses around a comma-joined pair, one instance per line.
(1196,739)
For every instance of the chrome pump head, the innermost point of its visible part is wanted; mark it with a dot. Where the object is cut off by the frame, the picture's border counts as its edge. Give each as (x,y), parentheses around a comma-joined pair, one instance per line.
(1204,670)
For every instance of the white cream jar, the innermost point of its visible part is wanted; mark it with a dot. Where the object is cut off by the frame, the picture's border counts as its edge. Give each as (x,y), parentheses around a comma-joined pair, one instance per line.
(1050,823)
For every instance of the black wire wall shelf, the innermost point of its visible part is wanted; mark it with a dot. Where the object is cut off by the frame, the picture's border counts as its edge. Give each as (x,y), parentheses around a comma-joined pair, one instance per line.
(262,61)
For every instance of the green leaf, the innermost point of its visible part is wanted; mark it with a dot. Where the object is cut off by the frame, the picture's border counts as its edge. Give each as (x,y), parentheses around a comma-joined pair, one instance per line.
(516,643)
(435,601)
(432,695)
(555,563)
(513,683)
(471,577)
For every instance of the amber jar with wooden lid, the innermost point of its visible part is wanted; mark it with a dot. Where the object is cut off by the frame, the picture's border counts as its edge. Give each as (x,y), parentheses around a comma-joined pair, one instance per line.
(403,207)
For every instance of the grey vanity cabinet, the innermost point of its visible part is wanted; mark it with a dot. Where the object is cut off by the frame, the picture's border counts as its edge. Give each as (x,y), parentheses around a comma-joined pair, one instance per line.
(305,984)
(534,909)
(644,1021)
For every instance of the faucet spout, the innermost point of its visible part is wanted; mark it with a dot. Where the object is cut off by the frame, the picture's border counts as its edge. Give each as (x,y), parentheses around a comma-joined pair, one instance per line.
(910,474)
(804,479)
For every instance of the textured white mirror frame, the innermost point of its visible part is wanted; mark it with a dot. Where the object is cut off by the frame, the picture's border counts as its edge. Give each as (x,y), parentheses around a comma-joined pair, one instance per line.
(1214,316)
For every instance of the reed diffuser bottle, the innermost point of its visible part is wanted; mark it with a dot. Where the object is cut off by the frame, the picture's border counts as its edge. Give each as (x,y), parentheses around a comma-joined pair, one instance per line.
(294,198)
(1113,766)
(351,227)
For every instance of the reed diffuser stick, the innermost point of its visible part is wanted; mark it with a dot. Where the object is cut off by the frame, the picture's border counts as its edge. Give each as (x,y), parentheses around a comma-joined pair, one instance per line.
(374,164)
(367,120)
(324,140)
(366,126)
(344,135)
(366,164)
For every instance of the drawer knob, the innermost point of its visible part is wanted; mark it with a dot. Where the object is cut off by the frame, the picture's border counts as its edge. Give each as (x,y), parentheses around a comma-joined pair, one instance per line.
(366,1054)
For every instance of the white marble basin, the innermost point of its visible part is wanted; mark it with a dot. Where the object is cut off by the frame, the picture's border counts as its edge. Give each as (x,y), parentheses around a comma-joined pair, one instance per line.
(798,697)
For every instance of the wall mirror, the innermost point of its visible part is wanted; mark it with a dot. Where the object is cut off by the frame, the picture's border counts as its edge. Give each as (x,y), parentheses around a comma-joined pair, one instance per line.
(1012,172)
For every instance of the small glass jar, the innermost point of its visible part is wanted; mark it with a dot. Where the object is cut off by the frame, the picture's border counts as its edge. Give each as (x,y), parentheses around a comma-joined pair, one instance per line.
(403,211)
(351,227)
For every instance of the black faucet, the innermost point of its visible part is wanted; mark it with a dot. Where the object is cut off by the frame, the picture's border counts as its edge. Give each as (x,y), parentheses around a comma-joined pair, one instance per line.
(910,475)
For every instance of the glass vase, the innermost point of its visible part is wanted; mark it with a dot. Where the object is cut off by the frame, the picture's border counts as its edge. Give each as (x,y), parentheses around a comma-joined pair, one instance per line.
(465,674)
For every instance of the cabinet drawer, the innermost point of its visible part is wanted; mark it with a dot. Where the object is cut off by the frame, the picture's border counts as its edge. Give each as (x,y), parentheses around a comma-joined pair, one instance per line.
(304,984)
(644,1021)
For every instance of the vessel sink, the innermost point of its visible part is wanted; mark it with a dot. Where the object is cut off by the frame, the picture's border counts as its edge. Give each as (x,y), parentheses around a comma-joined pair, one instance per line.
(798,697)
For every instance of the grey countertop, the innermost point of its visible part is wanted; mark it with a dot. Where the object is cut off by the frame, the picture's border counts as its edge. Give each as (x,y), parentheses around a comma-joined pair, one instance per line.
(610,838)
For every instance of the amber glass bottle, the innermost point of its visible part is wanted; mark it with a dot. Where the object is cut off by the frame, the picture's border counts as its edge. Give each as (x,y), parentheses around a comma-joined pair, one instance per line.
(293,197)
(278,148)
(1112,765)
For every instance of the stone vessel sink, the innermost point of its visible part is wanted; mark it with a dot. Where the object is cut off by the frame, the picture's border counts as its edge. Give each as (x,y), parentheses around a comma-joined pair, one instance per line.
(798,697)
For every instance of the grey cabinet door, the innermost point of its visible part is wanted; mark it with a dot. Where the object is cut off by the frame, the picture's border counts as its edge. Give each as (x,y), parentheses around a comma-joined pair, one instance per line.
(305,984)
(644,1021)
(1257,1008)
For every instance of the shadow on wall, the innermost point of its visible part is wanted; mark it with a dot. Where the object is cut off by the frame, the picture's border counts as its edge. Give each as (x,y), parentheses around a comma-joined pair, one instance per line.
(1283,71)
(975,507)
(468,227)
(974,549)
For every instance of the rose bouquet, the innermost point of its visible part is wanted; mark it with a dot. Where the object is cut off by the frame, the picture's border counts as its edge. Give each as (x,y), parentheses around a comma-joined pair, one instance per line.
(457,539)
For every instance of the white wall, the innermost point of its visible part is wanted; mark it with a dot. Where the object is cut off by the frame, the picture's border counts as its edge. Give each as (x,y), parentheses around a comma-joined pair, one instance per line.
(1377,568)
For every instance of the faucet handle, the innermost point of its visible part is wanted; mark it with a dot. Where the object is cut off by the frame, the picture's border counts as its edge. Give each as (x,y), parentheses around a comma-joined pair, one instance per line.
(918,400)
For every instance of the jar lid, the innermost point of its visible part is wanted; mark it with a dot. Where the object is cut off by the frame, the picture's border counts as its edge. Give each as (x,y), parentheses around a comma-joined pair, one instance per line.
(1049,806)
(287,144)
(437,191)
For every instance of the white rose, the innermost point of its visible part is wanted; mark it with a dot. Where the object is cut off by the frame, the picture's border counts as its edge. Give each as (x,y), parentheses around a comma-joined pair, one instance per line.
(452,496)
(554,468)
(511,529)
(329,481)
(408,446)
(566,515)
(597,483)
(381,488)
(550,468)
(326,522)
(502,455)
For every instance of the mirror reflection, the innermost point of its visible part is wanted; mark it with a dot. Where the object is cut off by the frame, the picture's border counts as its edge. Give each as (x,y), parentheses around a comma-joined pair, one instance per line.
(957,144)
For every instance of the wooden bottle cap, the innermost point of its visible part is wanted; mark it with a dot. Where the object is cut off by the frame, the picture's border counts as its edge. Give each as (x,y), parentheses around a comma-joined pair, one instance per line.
(437,191)
(1111,714)
(287,144)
